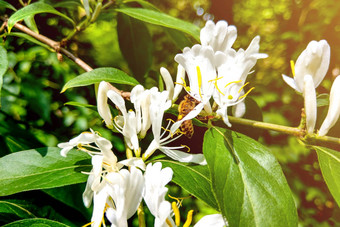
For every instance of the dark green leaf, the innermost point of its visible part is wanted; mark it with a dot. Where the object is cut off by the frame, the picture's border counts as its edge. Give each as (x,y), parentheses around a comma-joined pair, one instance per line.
(179,38)
(36,222)
(70,195)
(40,169)
(330,167)
(30,22)
(193,178)
(135,44)
(247,181)
(3,65)
(6,5)
(111,75)
(32,9)
(158,18)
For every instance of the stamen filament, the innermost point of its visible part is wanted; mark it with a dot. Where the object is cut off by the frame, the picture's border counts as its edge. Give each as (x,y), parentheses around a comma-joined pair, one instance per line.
(186,147)
(199,78)
(233,82)
(243,96)
(88,224)
(239,91)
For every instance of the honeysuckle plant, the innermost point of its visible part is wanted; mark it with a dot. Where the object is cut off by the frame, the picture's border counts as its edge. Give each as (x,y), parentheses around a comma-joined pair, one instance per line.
(135,164)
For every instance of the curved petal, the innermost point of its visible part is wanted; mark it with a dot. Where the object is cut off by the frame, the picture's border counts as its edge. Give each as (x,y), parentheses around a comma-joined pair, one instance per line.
(117,100)
(102,106)
(239,110)
(334,108)
(179,80)
(169,83)
(183,156)
(310,103)
(291,82)
(215,220)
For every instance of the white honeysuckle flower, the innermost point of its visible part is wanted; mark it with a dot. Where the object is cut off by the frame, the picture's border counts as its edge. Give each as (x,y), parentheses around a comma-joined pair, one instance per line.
(161,139)
(199,62)
(156,179)
(310,103)
(102,106)
(126,190)
(100,199)
(84,138)
(220,36)
(314,61)
(135,98)
(333,109)
(215,220)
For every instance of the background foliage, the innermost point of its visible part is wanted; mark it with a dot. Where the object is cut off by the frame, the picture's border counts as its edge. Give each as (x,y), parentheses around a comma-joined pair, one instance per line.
(33,113)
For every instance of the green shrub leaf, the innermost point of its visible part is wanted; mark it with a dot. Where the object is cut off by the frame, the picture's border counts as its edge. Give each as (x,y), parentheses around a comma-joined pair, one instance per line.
(162,19)
(40,169)
(36,222)
(3,65)
(195,179)
(247,181)
(111,75)
(7,5)
(330,167)
(32,9)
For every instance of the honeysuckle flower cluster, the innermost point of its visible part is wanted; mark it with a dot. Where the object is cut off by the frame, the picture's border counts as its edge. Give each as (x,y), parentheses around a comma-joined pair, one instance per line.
(309,71)
(215,69)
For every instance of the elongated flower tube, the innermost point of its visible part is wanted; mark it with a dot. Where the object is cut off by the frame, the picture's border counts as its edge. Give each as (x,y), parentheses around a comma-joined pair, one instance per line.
(310,103)
(314,61)
(215,220)
(219,36)
(102,106)
(199,62)
(334,108)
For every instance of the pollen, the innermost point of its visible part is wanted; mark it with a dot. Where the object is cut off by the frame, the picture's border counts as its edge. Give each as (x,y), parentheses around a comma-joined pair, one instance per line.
(230,97)
(199,79)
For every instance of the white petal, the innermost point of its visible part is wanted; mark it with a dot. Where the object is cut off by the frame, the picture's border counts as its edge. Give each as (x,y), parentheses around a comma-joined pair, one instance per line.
(334,108)
(137,162)
(83,138)
(184,157)
(192,114)
(169,83)
(310,103)
(179,80)
(103,107)
(239,110)
(213,220)
(136,99)
(291,82)
(99,201)
(117,100)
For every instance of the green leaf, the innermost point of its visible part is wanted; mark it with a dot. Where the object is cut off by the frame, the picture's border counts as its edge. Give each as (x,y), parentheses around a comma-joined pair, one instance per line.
(36,222)
(32,9)
(12,210)
(7,5)
(30,22)
(162,19)
(135,44)
(330,167)
(107,74)
(30,38)
(3,65)
(40,169)
(193,178)
(247,181)
(71,195)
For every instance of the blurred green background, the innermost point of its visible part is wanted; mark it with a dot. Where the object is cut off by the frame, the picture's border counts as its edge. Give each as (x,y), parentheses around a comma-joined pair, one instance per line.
(33,111)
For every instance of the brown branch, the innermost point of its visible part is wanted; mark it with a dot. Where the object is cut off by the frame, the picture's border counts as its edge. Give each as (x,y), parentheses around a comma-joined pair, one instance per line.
(56,46)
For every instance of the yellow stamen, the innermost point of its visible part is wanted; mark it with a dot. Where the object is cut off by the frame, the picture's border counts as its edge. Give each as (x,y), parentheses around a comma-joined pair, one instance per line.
(243,96)
(216,79)
(168,130)
(88,224)
(233,82)
(243,87)
(184,84)
(292,66)
(176,212)
(199,78)
(189,219)
(169,119)
(186,147)
(230,97)
(177,199)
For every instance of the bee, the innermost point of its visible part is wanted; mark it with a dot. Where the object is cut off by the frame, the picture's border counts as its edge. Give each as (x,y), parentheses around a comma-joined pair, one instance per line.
(185,106)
